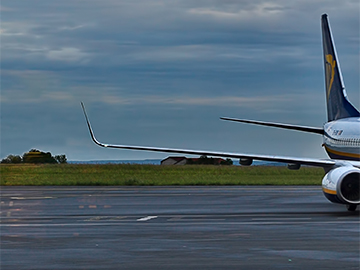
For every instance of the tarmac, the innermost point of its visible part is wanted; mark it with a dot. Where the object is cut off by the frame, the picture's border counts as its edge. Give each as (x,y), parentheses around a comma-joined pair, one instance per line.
(232,227)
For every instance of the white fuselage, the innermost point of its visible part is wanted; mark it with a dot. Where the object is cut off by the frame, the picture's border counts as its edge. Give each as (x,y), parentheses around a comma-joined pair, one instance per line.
(342,138)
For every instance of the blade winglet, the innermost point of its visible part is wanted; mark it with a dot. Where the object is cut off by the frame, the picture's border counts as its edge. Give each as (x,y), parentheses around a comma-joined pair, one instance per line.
(90,129)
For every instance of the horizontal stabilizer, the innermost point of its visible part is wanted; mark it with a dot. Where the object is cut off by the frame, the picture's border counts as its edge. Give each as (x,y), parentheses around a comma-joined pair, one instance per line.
(278,125)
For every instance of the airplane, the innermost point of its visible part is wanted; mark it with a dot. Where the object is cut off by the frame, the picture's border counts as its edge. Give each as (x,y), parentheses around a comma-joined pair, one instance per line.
(341,136)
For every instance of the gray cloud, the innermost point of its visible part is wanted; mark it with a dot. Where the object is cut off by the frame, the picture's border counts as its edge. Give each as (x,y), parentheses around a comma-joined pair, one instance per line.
(162,62)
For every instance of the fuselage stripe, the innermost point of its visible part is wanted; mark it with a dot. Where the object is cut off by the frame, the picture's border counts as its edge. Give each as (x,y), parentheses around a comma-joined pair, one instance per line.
(353,155)
(329,191)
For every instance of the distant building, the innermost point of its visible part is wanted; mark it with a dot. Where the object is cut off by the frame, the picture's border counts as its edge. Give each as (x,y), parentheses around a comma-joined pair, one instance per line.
(185,160)
(174,161)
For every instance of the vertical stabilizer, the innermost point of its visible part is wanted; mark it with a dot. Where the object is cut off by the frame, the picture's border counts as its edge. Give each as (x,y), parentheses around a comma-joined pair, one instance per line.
(338,105)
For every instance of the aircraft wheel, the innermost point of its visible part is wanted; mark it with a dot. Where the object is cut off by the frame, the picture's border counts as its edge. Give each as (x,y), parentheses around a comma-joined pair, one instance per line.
(351,207)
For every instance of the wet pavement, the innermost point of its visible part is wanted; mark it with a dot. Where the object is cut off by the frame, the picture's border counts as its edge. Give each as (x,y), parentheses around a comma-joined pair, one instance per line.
(176,228)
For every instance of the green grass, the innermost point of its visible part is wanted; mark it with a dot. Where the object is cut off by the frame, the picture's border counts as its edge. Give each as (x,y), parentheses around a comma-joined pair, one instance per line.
(154,175)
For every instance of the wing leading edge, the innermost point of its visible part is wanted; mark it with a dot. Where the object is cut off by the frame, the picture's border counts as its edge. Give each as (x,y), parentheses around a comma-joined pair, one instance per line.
(324,163)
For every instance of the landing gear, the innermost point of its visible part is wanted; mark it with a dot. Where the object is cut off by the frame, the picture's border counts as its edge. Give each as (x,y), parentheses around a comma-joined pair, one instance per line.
(351,207)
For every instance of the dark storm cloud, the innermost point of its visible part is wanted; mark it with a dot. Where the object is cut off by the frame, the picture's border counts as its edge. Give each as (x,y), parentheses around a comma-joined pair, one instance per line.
(171,67)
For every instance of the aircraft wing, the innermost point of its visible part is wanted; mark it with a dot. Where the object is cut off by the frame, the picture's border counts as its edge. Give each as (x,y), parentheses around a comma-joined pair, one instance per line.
(324,163)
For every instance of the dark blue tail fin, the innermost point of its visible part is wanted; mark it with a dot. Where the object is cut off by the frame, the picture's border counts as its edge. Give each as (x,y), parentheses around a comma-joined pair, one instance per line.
(338,105)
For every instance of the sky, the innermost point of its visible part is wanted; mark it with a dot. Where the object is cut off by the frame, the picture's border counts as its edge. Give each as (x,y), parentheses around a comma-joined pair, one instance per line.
(161,73)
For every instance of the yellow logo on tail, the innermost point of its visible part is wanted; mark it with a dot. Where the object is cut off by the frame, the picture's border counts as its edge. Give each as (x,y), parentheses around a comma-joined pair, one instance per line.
(330,72)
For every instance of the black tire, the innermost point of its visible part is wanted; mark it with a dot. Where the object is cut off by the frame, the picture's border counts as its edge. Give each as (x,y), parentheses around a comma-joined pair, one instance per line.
(351,207)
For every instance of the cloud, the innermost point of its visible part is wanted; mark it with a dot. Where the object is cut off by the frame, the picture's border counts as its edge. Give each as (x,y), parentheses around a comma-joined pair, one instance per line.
(75,27)
(253,58)
(223,101)
(258,10)
(67,55)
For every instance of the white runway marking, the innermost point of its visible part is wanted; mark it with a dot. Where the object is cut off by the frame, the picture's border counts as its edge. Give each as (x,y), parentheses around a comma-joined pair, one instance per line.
(146,218)
(31,198)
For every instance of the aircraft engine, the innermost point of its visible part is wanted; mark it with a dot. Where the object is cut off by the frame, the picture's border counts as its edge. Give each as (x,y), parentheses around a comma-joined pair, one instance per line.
(342,185)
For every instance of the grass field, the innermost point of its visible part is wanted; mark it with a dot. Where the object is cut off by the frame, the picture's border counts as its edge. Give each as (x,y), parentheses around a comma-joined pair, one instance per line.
(154,175)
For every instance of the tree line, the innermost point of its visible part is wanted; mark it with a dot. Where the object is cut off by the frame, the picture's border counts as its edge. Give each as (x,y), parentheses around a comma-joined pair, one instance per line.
(36,157)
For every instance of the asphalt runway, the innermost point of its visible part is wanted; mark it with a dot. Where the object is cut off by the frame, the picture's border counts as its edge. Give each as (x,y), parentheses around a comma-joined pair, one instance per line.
(176,228)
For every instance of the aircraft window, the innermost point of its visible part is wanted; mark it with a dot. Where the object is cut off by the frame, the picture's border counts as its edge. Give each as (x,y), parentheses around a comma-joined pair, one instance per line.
(346,141)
